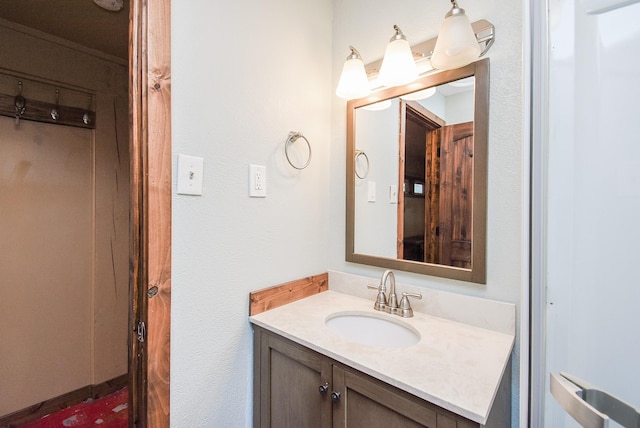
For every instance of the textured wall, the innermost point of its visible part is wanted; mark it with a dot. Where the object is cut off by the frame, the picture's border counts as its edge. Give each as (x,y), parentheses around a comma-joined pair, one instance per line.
(368,27)
(244,74)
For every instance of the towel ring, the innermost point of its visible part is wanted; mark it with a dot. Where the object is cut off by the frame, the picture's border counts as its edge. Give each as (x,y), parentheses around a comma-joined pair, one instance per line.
(293,137)
(355,162)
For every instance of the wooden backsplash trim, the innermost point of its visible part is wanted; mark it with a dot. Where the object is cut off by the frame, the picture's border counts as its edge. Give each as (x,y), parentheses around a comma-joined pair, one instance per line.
(272,297)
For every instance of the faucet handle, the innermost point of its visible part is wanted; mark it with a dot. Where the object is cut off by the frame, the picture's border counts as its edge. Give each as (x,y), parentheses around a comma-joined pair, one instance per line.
(393,306)
(381,298)
(405,307)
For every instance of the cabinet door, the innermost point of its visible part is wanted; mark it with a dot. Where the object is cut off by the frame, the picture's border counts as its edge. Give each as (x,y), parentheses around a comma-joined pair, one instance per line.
(290,381)
(366,402)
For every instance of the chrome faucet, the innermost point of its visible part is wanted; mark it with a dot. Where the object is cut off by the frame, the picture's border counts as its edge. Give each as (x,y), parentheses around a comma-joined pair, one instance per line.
(391,306)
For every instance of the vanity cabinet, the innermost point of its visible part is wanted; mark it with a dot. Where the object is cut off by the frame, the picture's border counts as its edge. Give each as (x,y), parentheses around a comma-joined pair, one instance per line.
(296,387)
(287,381)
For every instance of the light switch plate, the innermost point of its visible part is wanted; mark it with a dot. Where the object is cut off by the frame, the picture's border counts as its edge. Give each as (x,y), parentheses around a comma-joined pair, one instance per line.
(371,191)
(393,194)
(190,172)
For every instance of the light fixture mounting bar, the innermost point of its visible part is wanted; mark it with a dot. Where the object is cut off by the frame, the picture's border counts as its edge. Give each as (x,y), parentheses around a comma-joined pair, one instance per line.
(483,29)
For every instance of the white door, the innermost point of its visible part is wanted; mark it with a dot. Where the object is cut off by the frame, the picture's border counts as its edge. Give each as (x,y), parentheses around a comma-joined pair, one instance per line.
(592,239)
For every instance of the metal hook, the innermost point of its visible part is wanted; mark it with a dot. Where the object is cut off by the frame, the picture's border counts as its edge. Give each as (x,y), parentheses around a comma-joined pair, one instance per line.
(20,103)
(86,119)
(54,111)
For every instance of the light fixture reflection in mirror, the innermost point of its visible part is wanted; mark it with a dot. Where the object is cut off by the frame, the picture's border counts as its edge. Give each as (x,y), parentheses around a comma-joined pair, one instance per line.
(419,95)
(382,105)
(416,234)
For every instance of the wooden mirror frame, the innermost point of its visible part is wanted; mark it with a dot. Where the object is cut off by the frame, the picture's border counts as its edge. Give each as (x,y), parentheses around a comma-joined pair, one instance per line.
(477,273)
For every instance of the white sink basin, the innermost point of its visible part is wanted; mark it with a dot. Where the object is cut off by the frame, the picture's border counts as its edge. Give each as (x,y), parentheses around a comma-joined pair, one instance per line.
(372,329)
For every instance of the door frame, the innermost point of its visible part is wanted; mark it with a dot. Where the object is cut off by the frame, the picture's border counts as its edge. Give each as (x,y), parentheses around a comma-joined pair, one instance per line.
(150,215)
(533,380)
(432,123)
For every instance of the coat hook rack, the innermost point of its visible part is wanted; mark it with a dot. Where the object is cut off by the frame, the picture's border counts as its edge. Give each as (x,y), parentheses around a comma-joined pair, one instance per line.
(293,137)
(16,106)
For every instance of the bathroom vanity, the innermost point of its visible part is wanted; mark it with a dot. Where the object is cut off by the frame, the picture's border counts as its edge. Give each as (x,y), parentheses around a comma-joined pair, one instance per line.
(309,374)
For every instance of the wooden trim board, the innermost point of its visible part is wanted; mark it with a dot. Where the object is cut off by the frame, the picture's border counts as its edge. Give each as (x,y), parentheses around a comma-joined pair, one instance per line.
(150,268)
(273,297)
(39,410)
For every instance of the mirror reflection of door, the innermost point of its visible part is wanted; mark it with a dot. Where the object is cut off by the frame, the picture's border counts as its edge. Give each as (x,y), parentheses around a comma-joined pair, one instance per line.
(456,167)
(435,209)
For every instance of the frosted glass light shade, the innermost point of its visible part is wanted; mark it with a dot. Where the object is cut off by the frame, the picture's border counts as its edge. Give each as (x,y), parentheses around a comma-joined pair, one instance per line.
(457,45)
(398,66)
(353,81)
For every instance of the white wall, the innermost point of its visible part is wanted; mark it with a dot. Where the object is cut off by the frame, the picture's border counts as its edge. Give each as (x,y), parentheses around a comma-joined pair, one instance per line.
(244,74)
(368,27)
(460,108)
(377,133)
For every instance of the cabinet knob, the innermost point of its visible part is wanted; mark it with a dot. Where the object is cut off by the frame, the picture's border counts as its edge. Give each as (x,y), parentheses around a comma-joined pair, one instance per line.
(335,396)
(323,388)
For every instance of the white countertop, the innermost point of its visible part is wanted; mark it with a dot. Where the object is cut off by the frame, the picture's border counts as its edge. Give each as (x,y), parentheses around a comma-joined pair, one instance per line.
(454,365)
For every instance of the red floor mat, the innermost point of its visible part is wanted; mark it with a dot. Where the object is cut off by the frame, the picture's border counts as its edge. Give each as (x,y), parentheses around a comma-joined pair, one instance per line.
(109,411)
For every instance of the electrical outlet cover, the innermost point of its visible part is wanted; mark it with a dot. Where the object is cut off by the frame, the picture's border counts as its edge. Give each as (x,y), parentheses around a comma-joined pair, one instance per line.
(257,181)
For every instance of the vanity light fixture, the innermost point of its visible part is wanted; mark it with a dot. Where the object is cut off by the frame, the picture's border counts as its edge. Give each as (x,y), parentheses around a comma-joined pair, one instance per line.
(398,66)
(445,52)
(457,45)
(353,80)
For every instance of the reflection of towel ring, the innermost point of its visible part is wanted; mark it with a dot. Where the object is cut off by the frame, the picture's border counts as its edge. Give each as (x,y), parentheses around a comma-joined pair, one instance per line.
(293,137)
(355,162)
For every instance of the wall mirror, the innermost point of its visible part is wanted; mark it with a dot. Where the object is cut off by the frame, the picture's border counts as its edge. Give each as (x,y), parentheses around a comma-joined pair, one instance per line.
(417,175)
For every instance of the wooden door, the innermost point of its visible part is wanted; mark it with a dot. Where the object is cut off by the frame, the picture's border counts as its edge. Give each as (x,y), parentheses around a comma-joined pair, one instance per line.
(432,197)
(456,195)
(290,381)
(366,403)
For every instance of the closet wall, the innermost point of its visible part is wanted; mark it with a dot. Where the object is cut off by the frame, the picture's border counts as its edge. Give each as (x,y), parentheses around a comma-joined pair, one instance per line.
(64,212)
